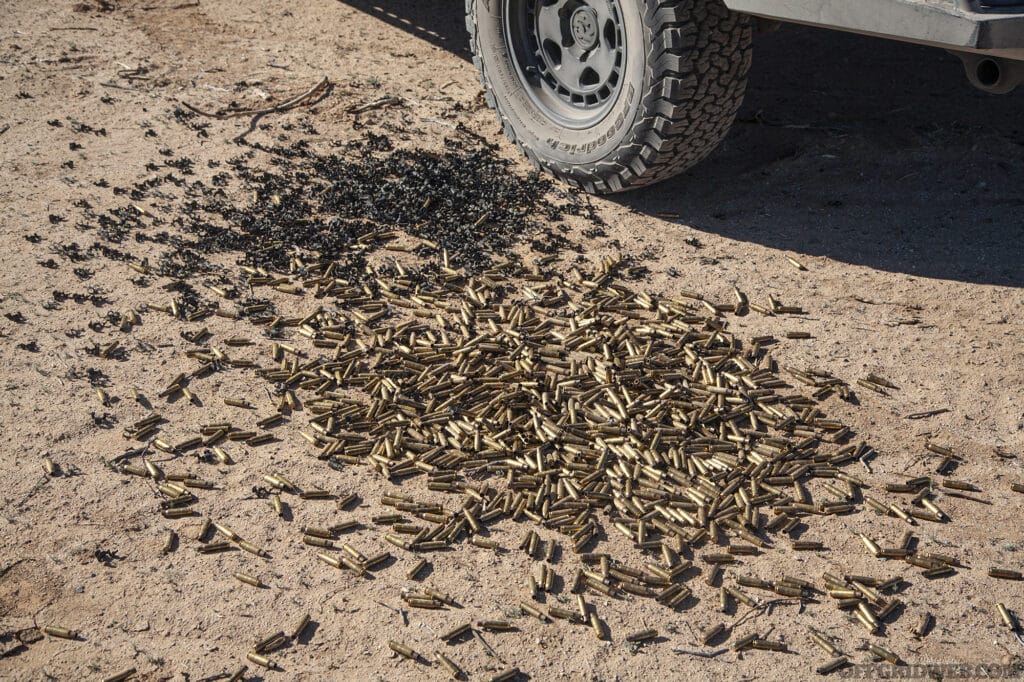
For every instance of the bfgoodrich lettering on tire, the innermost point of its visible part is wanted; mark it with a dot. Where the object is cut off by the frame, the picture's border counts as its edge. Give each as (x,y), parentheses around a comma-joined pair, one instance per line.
(611,94)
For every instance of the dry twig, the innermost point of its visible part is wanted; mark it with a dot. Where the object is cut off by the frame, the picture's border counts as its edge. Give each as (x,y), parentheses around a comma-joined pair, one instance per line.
(183,5)
(381,103)
(702,654)
(308,97)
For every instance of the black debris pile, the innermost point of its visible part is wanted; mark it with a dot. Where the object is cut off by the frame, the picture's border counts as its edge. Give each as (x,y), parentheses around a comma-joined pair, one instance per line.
(340,206)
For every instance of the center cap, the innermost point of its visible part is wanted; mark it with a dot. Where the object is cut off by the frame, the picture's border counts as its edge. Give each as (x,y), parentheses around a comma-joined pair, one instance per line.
(584,27)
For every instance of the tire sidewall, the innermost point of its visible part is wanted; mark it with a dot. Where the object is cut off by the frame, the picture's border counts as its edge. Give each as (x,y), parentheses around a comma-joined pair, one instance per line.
(535,131)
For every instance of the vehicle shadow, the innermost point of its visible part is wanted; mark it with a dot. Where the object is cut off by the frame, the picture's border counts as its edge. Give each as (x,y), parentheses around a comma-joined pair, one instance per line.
(867,151)
(441,23)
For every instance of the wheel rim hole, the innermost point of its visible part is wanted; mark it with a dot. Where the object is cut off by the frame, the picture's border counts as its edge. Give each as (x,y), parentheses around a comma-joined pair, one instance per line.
(589,78)
(610,36)
(553,51)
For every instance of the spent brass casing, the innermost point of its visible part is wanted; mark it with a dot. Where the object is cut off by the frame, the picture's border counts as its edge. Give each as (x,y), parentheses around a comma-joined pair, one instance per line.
(741,597)
(748,581)
(170,542)
(869,624)
(953,484)
(893,553)
(62,633)
(939,572)
(884,654)
(823,642)
(251,548)
(843,594)
(402,650)
(923,625)
(744,642)
(226,532)
(270,642)
(448,664)
(211,547)
(353,565)
(315,541)
(495,625)
(222,456)
(564,614)
(872,547)
(457,632)
(530,611)
(347,500)
(768,645)
(415,570)
(261,660)
(1007,617)
(1005,573)
(344,526)
(889,608)
(938,449)
(483,542)
(376,560)
(248,579)
(423,603)
(711,633)
(788,590)
(329,560)
(832,665)
(300,627)
(595,626)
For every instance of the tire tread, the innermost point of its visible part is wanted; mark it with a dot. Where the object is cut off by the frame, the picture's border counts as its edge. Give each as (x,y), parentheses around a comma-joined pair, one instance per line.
(696,70)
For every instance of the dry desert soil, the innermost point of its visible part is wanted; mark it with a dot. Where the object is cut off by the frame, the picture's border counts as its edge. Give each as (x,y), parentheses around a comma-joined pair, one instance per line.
(873,164)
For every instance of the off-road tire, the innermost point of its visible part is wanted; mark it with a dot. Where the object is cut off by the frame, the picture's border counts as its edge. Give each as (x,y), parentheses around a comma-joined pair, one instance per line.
(686,72)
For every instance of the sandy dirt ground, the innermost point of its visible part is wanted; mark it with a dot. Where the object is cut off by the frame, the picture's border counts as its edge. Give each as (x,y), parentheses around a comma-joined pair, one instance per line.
(874,164)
